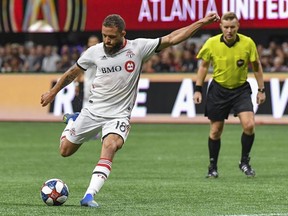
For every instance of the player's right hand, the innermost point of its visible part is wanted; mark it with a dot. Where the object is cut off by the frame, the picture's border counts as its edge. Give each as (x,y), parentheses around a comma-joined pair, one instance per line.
(197,98)
(46,98)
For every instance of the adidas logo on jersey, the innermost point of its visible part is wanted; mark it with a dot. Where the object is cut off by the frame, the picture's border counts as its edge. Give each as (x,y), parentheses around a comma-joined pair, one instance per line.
(104,57)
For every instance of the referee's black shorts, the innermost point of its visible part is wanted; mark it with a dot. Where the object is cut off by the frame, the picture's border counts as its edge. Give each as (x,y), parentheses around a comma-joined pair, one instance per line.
(220,101)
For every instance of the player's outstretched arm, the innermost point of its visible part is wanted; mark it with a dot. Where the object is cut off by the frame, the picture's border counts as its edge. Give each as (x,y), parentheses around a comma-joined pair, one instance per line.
(184,33)
(66,79)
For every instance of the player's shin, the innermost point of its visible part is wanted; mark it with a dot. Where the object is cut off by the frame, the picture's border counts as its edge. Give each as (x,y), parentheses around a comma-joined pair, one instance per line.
(247,143)
(99,176)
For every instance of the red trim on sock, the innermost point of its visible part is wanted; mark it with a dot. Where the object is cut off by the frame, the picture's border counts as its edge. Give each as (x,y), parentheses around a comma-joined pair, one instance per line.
(104,165)
(63,137)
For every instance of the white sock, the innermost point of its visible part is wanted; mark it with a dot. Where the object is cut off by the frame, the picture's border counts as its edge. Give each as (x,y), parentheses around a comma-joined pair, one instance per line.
(99,176)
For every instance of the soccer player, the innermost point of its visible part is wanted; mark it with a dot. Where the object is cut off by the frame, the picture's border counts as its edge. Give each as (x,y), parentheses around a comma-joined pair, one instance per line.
(118,61)
(230,54)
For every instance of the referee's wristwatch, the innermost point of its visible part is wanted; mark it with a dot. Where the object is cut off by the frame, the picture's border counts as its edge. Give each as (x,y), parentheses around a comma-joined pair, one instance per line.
(262,90)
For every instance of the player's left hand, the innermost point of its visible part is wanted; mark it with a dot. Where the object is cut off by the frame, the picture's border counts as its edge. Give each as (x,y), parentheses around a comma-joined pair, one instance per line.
(261,97)
(211,17)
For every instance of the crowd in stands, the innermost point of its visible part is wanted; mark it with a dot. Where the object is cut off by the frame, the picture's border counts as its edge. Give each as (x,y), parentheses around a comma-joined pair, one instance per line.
(37,58)
(29,57)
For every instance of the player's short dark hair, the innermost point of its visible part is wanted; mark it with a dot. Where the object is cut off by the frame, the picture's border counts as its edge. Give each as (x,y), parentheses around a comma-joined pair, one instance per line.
(229,16)
(114,20)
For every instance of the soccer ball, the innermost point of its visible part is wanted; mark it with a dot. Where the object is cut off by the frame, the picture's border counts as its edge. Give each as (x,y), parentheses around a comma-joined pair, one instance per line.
(54,192)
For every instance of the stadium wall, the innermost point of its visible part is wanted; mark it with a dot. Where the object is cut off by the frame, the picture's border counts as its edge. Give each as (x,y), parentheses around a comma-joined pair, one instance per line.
(162,98)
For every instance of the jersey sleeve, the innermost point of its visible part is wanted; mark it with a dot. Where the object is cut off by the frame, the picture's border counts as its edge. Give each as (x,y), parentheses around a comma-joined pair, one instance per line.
(86,59)
(253,53)
(204,52)
(148,47)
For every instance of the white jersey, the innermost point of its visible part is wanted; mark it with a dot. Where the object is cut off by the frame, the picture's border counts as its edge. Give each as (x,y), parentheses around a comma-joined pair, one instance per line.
(89,76)
(114,89)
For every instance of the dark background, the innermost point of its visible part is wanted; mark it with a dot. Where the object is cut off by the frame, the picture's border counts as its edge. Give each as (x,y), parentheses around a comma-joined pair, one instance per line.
(161,97)
(260,36)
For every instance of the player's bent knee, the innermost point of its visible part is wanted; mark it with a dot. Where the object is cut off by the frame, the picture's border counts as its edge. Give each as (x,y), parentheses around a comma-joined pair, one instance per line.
(215,134)
(64,152)
(113,142)
(249,130)
(113,146)
(67,148)
(249,127)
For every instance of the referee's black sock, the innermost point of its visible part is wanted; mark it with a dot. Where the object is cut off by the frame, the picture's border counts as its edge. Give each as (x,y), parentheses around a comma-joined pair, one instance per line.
(247,142)
(214,148)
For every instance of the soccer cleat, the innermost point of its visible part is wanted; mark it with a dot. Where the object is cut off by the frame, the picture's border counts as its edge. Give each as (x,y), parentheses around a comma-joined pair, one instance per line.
(89,201)
(67,117)
(246,168)
(212,172)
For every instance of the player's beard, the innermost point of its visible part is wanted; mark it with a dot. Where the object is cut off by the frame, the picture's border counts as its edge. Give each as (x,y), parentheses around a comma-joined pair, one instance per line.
(114,49)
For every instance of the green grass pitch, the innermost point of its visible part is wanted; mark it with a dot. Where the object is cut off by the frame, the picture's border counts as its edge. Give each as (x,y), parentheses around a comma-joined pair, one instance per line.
(160,171)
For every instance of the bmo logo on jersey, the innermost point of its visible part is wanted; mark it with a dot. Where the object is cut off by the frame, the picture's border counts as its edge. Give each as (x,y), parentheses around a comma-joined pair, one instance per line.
(129,66)
(111,69)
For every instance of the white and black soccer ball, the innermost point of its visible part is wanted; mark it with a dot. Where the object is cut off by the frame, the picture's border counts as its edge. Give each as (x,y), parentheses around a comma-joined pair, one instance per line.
(54,192)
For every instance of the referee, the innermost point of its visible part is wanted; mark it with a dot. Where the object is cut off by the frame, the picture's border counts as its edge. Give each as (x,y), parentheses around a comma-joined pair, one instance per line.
(230,54)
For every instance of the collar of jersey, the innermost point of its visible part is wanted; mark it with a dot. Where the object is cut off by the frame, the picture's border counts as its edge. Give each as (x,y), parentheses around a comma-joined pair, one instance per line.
(229,45)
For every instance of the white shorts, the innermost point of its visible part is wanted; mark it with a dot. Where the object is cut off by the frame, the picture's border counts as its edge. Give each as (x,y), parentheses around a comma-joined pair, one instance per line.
(86,126)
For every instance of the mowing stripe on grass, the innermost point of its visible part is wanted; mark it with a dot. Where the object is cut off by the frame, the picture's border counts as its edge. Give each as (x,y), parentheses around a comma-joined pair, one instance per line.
(271,214)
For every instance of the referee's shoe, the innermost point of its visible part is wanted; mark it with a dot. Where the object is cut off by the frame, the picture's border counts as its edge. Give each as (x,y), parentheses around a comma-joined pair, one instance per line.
(212,171)
(246,168)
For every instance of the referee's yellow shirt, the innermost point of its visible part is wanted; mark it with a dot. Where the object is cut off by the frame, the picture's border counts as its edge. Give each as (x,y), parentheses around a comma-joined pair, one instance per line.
(230,63)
